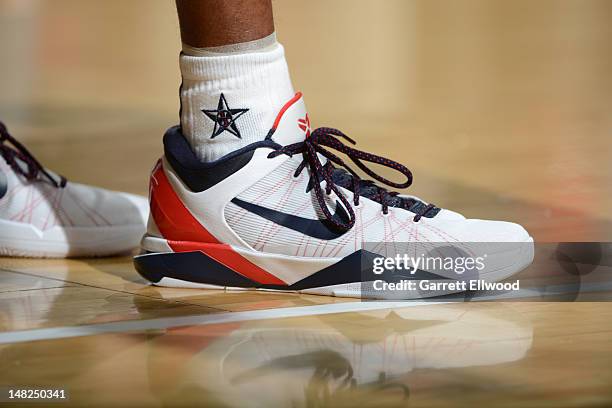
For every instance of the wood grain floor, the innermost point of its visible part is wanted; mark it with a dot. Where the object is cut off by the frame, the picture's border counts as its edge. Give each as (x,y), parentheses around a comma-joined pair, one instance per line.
(501,108)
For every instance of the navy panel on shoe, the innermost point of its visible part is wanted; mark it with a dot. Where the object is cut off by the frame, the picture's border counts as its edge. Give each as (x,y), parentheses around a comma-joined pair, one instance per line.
(200,268)
(356,267)
(320,229)
(189,266)
(198,175)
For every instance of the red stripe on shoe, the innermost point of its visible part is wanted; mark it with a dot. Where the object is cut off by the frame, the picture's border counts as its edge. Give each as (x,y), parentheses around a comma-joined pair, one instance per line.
(284,109)
(171,216)
(184,232)
(225,254)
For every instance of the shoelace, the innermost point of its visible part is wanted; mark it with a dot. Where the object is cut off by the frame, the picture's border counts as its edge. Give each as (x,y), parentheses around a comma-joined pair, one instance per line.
(329,137)
(12,150)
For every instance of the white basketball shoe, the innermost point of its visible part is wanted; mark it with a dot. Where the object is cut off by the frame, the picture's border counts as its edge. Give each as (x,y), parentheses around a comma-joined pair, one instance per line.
(286,213)
(43,215)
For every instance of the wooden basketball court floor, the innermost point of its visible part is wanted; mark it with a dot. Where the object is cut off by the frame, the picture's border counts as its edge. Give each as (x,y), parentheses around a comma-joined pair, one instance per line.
(502,109)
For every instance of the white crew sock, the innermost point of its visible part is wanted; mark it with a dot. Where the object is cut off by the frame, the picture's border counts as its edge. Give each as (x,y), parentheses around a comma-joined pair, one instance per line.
(255,84)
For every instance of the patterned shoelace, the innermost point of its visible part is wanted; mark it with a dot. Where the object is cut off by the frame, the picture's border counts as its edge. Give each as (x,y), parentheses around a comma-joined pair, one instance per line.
(314,145)
(13,151)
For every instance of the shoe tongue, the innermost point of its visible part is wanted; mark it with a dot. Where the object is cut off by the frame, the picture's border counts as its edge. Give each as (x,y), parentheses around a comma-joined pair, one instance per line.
(292,124)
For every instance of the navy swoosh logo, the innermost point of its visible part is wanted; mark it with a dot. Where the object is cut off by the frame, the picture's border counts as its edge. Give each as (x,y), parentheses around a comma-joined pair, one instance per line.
(3,184)
(320,229)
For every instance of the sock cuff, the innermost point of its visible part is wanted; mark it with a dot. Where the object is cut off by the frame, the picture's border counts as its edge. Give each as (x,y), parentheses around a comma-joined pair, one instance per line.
(234,67)
(261,44)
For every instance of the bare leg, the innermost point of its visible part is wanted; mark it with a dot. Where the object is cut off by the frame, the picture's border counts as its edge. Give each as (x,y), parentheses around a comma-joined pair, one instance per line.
(213,23)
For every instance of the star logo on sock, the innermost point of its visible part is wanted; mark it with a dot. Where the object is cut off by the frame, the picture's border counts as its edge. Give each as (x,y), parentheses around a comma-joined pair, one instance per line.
(224,118)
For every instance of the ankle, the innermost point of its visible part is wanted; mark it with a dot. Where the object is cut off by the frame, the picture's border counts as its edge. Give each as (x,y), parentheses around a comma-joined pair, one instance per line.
(229,100)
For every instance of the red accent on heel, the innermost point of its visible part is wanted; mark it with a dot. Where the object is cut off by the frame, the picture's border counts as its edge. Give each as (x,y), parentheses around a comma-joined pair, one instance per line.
(293,100)
(184,233)
(172,218)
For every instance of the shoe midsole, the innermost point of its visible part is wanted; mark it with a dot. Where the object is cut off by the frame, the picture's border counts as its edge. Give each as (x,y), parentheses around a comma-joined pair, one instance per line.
(25,239)
(294,272)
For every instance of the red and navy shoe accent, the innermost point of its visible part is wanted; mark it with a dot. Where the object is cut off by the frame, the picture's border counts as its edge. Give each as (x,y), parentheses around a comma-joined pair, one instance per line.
(184,233)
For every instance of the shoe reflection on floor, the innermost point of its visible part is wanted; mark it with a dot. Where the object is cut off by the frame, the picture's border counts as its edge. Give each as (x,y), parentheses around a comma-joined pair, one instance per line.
(332,360)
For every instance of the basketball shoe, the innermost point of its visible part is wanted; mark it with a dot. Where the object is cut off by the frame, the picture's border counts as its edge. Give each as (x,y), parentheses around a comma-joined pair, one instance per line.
(44,215)
(286,213)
